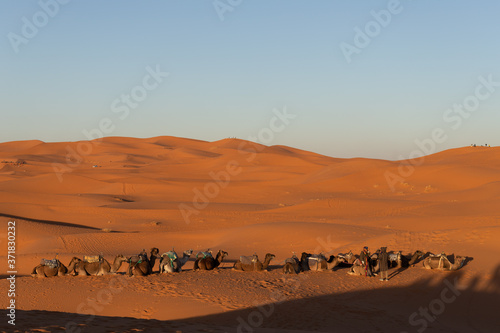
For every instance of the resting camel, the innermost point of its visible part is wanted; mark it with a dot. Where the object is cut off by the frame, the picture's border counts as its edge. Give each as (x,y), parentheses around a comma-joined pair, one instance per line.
(44,270)
(255,264)
(318,262)
(171,263)
(100,267)
(395,259)
(204,254)
(441,262)
(249,259)
(405,262)
(357,268)
(347,258)
(372,265)
(209,263)
(140,265)
(294,266)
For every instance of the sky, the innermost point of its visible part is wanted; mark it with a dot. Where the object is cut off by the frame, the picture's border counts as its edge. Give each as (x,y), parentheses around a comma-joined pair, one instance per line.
(375,79)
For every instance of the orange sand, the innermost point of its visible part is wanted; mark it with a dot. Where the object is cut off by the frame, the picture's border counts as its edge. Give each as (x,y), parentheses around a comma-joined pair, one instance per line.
(267,199)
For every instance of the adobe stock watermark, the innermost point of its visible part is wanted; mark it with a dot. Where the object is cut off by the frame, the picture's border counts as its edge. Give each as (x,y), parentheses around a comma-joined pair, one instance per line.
(121,107)
(220,180)
(453,117)
(428,314)
(372,29)
(31,26)
(94,305)
(223,6)
(325,245)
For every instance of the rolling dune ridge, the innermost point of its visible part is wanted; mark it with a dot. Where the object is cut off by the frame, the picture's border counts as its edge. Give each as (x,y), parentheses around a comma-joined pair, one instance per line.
(131,194)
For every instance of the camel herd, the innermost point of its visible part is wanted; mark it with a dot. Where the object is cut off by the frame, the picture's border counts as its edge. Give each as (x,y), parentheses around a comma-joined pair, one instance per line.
(170,262)
(138,265)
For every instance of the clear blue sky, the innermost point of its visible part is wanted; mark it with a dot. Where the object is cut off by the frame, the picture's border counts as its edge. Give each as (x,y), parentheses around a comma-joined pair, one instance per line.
(227,76)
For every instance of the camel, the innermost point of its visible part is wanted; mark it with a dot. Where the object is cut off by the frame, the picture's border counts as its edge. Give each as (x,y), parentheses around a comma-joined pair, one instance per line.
(209,263)
(101,267)
(249,259)
(347,258)
(294,266)
(171,263)
(255,264)
(140,265)
(395,259)
(318,262)
(204,254)
(54,268)
(352,260)
(357,268)
(442,262)
(413,259)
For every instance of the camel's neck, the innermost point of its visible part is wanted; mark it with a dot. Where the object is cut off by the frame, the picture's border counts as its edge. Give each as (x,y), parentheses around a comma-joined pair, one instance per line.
(335,262)
(218,260)
(64,269)
(116,265)
(71,266)
(350,258)
(152,260)
(456,266)
(184,259)
(414,258)
(266,262)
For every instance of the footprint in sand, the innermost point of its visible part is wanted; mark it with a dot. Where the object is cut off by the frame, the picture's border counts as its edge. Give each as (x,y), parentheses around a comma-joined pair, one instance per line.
(265,284)
(170,290)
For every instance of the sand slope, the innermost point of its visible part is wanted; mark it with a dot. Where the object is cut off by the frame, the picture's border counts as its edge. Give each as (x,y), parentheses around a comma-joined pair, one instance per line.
(120,195)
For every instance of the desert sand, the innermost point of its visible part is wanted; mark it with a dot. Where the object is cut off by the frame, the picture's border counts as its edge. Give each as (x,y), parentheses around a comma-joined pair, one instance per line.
(121,195)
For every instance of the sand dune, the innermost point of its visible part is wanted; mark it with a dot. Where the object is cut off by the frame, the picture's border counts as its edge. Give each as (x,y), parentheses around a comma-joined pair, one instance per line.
(121,195)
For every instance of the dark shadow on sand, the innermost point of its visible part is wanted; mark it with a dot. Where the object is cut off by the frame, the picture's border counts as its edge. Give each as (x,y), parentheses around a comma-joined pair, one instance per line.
(58,223)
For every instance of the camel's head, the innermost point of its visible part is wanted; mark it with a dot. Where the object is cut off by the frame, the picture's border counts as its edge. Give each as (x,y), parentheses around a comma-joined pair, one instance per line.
(188,252)
(222,254)
(75,260)
(460,259)
(305,255)
(347,256)
(155,252)
(270,255)
(121,257)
